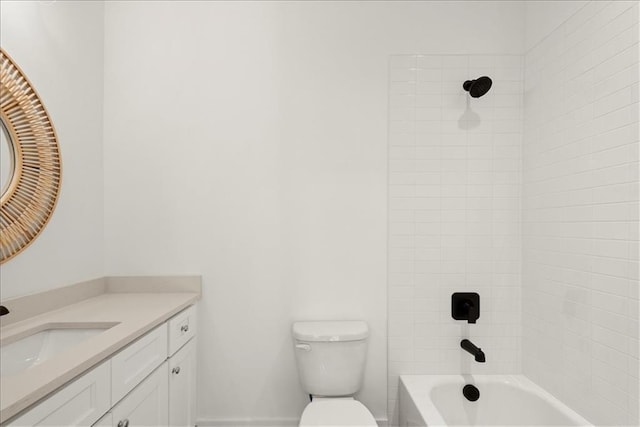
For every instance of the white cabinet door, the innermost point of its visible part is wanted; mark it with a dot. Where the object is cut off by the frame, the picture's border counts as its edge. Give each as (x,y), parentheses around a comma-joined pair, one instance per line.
(182,386)
(147,404)
(80,403)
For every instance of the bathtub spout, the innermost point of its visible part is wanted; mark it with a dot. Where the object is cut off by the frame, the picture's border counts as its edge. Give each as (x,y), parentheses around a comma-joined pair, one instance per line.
(475,351)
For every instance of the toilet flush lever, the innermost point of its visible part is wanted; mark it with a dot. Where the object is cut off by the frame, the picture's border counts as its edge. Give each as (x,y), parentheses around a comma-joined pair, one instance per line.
(303,347)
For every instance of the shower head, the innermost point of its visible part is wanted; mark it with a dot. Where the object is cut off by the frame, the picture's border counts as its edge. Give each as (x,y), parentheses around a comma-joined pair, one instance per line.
(478,87)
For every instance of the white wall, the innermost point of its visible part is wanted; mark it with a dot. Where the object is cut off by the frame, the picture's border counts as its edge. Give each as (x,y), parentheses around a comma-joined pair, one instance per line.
(454,213)
(248,142)
(542,17)
(59,46)
(580,213)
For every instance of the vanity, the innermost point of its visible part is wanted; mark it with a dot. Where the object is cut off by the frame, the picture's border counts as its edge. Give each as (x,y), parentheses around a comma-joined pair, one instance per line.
(118,352)
(114,351)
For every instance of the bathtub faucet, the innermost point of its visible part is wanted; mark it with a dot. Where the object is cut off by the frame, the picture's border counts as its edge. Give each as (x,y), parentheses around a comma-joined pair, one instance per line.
(475,351)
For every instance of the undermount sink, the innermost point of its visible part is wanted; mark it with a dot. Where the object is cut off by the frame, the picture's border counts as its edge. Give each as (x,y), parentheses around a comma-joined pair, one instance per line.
(42,345)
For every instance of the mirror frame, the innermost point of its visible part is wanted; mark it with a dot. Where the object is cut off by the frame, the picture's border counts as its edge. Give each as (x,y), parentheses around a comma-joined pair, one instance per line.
(4,188)
(31,196)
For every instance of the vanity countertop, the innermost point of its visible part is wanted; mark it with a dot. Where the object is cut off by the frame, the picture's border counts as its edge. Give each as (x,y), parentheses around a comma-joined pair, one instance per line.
(133,313)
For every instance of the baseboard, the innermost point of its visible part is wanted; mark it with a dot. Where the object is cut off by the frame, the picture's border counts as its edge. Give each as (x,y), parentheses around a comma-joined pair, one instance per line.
(260,422)
(248,422)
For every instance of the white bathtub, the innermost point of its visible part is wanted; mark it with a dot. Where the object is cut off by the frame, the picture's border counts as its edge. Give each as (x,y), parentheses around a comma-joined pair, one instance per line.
(505,400)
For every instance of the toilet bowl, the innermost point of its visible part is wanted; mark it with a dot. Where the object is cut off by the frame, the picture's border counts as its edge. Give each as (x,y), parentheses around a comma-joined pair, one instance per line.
(331,358)
(336,412)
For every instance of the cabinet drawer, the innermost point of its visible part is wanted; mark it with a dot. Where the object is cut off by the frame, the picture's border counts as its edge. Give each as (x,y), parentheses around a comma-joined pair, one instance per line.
(80,403)
(182,327)
(135,362)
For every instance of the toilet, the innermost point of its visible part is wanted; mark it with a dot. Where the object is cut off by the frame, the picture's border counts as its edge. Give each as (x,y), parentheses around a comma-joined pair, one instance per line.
(331,358)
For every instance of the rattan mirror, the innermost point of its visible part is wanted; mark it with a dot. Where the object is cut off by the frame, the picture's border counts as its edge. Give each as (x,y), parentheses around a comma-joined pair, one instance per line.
(31,175)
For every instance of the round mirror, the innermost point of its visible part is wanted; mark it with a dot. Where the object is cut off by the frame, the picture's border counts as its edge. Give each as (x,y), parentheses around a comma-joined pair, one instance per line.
(7,158)
(30,166)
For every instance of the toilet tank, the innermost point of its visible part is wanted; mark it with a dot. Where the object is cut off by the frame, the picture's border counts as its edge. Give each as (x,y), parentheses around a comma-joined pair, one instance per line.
(331,356)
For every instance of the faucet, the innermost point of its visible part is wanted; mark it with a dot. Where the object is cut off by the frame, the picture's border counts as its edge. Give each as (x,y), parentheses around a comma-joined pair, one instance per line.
(3,310)
(475,351)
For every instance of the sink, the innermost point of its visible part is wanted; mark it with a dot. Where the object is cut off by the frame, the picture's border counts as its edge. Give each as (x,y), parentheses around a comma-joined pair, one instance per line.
(43,344)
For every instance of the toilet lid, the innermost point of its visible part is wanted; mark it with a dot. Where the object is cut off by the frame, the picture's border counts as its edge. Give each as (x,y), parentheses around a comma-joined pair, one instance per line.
(337,412)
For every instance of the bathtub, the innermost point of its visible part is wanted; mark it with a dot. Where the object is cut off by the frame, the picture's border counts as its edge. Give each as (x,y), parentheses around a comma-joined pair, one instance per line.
(505,400)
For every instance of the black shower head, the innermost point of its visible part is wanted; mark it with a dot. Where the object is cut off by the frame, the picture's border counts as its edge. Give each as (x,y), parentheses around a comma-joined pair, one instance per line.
(478,87)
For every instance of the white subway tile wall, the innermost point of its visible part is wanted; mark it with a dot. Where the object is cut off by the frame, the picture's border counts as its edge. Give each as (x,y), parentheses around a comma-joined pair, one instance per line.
(454,213)
(580,213)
